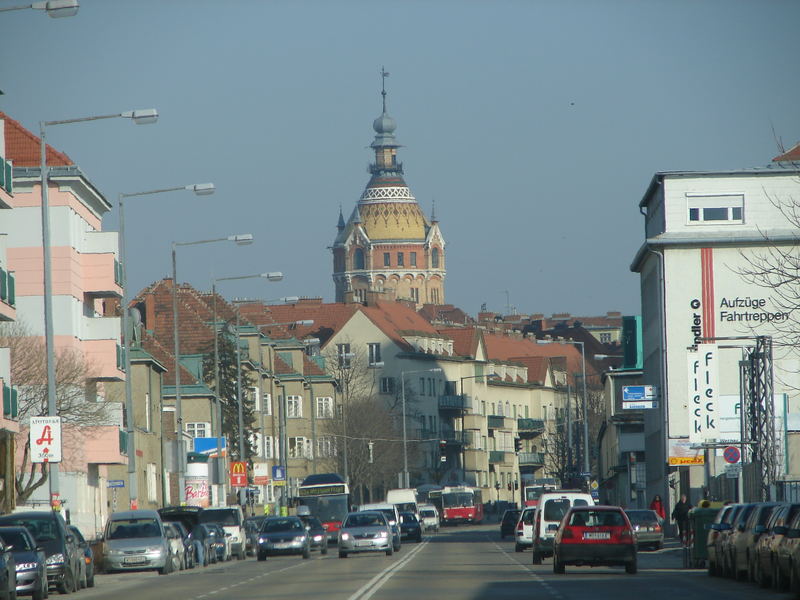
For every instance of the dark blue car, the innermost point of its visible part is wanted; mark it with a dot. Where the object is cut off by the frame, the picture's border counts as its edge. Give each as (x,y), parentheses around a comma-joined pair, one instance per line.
(410,527)
(29,559)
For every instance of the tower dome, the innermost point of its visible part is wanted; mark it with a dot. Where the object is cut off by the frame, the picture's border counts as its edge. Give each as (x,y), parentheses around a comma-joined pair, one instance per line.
(384,124)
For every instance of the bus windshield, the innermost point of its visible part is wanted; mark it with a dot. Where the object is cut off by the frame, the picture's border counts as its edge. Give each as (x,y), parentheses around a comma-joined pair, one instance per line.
(457,500)
(326,508)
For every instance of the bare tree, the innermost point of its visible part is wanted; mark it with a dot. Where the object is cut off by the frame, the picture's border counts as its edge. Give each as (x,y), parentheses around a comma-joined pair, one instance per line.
(76,395)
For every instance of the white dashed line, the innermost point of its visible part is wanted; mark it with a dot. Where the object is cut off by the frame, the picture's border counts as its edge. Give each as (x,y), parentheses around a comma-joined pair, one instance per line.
(554,593)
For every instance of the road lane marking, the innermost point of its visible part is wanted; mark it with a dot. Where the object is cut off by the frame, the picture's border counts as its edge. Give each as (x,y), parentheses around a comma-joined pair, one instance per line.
(223,589)
(366,591)
(554,593)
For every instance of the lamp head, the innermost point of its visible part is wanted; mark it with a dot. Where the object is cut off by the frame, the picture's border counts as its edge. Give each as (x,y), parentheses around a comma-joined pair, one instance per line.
(242,239)
(289,299)
(58,8)
(305,323)
(272,276)
(202,189)
(143,116)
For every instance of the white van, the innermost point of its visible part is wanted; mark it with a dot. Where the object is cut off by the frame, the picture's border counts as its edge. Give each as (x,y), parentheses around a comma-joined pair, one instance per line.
(429,517)
(404,499)
(551,509)
(231,519)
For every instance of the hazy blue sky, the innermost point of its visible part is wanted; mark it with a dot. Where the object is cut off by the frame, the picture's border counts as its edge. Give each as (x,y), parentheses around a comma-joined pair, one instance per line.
(536,126)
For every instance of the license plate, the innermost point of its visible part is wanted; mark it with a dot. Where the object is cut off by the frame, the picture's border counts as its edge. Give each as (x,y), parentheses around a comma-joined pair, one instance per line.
(364,543)
(282,545)
(596,535)
(134,560)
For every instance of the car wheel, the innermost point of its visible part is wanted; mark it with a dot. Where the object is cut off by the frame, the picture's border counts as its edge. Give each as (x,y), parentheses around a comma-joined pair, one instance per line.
(342,554)
(502,535)
(67,583)
(306,552)
(631,567)
(389,551)
(712,569)
(537,558)
(242,554)
(558,567)
(778,582)
(262,556)
(324,549)
(38,594)
(794,584)
(518,547)
(90,580)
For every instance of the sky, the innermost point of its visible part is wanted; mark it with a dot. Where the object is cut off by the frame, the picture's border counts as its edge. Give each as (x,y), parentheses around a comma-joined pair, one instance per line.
(536,126)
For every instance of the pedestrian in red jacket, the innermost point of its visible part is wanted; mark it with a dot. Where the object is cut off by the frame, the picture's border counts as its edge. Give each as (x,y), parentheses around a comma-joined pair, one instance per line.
(658,506)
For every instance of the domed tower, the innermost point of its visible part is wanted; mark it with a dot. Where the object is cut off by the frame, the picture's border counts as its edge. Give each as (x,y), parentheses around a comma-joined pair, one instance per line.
(388,245)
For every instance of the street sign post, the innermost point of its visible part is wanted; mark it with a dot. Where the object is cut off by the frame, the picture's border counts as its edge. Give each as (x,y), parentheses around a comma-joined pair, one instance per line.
(45,439)
(732,455)
(733,471)
(238,474)
(278,475)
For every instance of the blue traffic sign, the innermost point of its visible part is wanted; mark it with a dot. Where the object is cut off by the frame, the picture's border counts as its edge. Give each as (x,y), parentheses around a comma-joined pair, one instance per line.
(116,483)
(638,392)
(278,473)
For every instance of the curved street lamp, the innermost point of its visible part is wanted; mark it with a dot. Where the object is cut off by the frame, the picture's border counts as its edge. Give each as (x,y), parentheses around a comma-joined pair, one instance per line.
(54,8)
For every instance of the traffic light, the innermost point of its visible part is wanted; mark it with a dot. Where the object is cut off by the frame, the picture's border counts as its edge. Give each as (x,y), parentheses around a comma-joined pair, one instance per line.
(442,446)
(516,484)
(509,486)
(517,445)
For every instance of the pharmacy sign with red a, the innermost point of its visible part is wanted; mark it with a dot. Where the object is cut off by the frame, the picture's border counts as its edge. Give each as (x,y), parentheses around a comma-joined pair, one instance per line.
(45,439)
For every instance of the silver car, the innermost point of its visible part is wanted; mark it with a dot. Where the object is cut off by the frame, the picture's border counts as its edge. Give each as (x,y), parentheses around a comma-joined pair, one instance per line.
(366,531)
(135,539)
(647,526)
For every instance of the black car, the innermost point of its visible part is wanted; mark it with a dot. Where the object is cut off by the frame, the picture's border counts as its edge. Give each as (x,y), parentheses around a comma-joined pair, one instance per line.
(30,562)
(64,557)
(319,537)
(410,527)
(283,535)
(252,525)
(88,558)
(8,576)
(509,522)
(218,544)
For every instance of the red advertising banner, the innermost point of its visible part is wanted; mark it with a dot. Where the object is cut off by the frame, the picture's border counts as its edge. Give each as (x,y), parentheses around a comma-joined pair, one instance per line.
(238,474)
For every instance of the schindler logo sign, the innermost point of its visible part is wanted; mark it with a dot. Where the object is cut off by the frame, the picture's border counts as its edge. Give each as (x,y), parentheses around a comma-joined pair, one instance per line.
(703,392)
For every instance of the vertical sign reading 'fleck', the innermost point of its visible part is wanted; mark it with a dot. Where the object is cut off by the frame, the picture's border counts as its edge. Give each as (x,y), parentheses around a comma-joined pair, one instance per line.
(703,393)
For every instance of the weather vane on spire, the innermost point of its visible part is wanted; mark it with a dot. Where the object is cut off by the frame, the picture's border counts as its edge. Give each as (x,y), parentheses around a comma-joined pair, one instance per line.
(384,75)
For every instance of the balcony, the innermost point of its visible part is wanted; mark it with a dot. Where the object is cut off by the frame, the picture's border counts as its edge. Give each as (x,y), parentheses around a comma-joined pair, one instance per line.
(473,421)
(531,459)
(530,427)
(6,176)
(476,460)
(455,402)
(453,436)
(100,328)
(499,457)
(499,422)
(10,402)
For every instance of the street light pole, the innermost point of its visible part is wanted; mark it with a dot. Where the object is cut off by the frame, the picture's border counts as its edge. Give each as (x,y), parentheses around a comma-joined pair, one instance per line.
(406,481)
(54,8)
(201,189)
(140,117)
(180,456)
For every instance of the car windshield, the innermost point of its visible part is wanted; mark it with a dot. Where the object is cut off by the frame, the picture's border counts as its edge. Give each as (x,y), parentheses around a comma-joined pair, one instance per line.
(527,517)
(42,530)
(364,520)
(597,518)
(427,513)
(554,510)
(275,525)
(405,506)
(640,517)
(17,539)
(408,517)
(313,522)
(224,517)
(123,529)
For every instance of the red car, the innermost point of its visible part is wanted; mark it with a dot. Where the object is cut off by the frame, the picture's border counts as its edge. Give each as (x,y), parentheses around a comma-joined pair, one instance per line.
(595,536)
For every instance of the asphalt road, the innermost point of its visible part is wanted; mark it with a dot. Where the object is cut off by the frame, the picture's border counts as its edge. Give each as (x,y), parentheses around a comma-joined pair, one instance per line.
(460,563)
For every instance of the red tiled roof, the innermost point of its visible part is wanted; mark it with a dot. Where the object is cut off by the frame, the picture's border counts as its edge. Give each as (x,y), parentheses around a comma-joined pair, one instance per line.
(310,367)
(791,155)
(151,345)
(537,367)
(394,317)
(465,339)
(23,148)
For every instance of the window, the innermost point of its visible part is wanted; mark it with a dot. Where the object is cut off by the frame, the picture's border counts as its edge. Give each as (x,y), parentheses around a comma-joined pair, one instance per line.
(324,408)
(415,295)
(148,415)
(256,396)
(294,407)
(483,407)
(344,355)
(400,261)
(724,208)
(266,402)
(435,258)
(605,338)
(431,391)
(325,447)
(374,354)
(434,296)
(268,448)
(152,483)
(387,385)
(358,259)
(387,260)
(412,259)
(421,386)
(298,447)
(526,411)
(198,430)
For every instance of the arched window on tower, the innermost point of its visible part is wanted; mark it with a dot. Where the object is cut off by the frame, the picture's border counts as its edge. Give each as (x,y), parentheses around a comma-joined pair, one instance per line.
(435,258)
(358,259)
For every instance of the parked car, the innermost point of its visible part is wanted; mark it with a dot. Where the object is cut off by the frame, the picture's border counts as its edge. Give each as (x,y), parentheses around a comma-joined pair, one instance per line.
(252,525)
(523,531)
(648,527)
(786,570)
(220,546)
(63,557)
(316,531)
(727,541)
(744,539)
(31,569)
(231,519)
(392,516)
(283,535)
(766,548)
(87,579)
(410,527)
(8,573)
(509,522)
(365,531)
(136,540)
(594,536)
(716,533)
(429,515)
(188,547)
(552,508)
(177,549)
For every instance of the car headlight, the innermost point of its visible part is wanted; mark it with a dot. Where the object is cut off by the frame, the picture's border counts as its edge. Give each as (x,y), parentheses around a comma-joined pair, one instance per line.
(55,559)
(154,550)
(299,538)
(26,566)
(345,536)
(262,540)
(383,534)
(317,538)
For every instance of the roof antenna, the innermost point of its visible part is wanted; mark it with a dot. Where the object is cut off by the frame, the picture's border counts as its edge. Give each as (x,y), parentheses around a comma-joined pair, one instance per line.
(384,75)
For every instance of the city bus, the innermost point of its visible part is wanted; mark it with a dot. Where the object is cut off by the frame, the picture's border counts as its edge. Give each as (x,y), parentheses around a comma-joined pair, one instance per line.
(461,504)
(534,489)
(328,498)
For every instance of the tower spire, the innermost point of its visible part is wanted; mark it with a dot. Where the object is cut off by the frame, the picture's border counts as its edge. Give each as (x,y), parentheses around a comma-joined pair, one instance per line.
(433,212)
(384,75)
